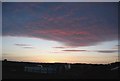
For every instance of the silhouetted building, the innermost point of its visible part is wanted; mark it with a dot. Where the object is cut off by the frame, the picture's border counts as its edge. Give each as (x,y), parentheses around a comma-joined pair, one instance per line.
(48,69)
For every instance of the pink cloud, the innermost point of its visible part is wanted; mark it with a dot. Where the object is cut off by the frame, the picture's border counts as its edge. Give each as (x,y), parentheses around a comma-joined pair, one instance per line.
(60,32)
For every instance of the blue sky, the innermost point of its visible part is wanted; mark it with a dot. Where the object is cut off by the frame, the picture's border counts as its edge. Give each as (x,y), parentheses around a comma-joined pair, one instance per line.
(60,32)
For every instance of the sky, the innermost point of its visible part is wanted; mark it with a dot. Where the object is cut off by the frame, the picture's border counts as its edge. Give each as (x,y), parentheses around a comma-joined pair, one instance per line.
(60,0)
(60,32)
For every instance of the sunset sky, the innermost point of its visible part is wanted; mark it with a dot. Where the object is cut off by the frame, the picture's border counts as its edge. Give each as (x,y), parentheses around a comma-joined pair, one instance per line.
(60,32)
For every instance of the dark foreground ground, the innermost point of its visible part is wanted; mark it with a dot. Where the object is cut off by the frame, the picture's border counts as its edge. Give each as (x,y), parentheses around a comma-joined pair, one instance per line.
(15,70)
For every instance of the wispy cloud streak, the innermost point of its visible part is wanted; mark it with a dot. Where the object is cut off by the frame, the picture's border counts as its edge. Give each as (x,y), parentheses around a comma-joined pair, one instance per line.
(25,46)
(107,51)
(74,50)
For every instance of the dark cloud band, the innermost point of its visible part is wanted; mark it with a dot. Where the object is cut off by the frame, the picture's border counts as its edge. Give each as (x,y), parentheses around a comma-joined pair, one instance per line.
(76,24)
